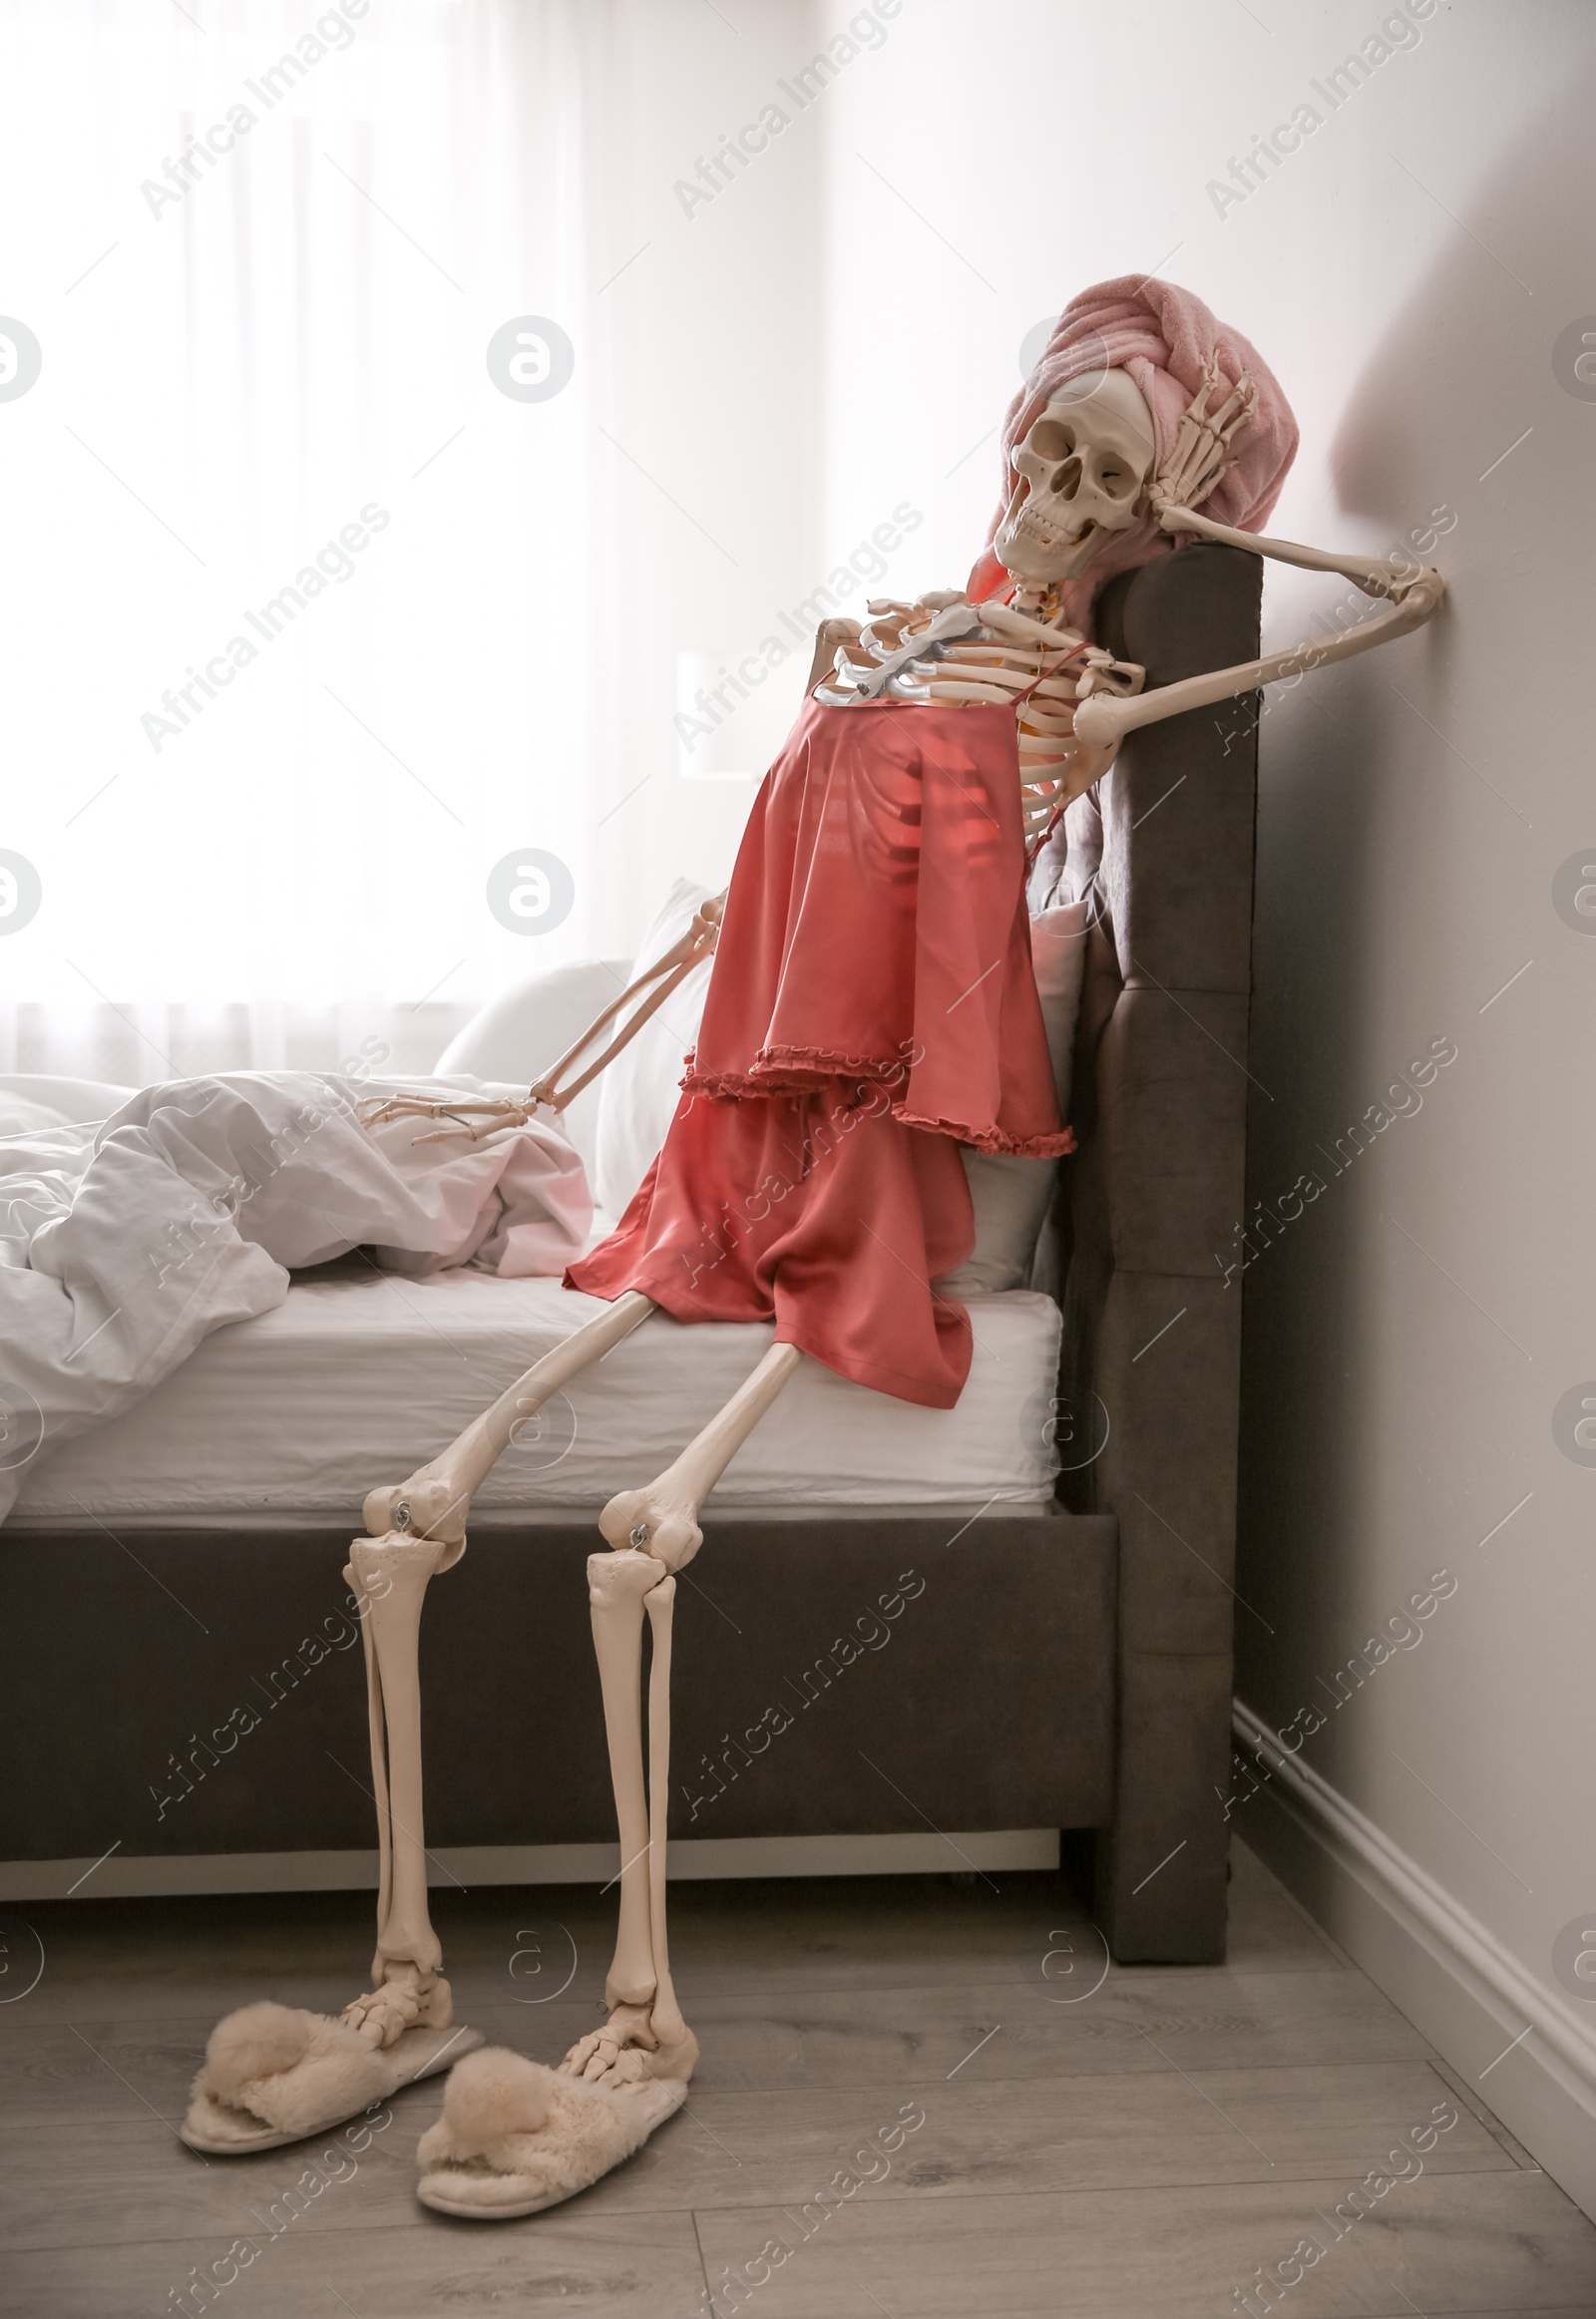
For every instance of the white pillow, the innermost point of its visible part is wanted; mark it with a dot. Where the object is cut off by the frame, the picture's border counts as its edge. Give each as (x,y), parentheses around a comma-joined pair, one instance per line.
(1010,1196)
(30,1101)
(641,1089)
(516,1036)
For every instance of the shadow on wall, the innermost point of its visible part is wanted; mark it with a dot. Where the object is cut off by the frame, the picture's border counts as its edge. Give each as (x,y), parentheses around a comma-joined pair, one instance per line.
(1393,875)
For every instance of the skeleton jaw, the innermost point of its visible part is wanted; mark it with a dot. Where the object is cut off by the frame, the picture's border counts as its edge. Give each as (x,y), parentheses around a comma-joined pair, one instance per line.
(1034,550)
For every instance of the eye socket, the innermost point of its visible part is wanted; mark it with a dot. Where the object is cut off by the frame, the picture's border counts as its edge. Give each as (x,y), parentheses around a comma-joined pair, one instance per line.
(1052,439)
(1115,478)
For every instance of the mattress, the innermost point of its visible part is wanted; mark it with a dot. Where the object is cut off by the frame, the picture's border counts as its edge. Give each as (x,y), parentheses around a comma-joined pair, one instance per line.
(358,1378)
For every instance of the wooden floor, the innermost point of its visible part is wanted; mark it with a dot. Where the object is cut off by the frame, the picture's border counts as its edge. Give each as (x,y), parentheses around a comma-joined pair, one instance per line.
(1134,2150)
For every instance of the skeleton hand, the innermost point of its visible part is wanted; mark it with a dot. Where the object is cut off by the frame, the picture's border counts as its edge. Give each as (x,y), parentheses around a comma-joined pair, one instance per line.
(474,1116)
(1198,460)
(829,638)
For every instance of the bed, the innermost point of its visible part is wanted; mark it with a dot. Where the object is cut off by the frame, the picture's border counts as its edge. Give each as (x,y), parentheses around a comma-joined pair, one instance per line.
(977,1629)
(296,1415)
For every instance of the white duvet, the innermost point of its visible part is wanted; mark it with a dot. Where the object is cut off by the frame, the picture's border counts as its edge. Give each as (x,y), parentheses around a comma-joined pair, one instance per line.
(124,1243)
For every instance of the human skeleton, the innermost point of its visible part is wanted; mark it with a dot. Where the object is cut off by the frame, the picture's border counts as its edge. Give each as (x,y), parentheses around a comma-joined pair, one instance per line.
(1086,472)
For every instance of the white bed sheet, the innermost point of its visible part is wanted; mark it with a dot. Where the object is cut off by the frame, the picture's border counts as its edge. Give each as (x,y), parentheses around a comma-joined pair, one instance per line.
(354,1382)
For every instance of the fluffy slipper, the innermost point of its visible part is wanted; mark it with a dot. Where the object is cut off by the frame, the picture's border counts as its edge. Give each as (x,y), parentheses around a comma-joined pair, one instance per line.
(273,2074)
(514,2137)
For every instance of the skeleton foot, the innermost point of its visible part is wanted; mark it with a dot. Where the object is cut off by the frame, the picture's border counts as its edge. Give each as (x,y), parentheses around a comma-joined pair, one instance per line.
(406,1998)
(273,2074)
(654,1521)
(631,2048)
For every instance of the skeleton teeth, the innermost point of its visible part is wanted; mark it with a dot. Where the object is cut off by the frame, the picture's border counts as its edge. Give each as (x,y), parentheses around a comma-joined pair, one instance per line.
(1032,526)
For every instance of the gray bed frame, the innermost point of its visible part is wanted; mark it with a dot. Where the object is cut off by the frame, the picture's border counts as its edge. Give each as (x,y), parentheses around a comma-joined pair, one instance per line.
(1068,1668)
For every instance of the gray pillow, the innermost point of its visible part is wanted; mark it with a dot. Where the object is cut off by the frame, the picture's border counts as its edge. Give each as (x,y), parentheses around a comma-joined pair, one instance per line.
(1012,1196)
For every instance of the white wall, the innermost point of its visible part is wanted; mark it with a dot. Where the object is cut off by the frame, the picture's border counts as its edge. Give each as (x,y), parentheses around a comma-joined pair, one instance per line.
(1405,272)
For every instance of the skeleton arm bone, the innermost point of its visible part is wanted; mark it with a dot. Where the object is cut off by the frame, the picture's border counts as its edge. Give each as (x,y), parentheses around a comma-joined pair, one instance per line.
(1375,575)
(667,974)
(479,1116)
(1414,593)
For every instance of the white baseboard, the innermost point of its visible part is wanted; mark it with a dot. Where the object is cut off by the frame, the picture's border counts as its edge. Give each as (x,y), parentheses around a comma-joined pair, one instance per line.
(1452,1978)
(691,1858)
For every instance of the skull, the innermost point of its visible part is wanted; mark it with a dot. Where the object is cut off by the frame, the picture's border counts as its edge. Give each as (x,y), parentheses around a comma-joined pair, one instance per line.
(1082,469)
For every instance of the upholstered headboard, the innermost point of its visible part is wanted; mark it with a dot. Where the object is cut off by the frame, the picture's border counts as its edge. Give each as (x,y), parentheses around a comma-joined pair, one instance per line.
(1149,1393)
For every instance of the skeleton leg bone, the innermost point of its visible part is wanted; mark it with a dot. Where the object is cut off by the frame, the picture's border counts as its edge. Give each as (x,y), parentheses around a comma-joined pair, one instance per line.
(273,2074)
(514,2137)
(436,1499)
(388,1577)
(388,1574)
(645,2036)
(654,1533)
(664,1516)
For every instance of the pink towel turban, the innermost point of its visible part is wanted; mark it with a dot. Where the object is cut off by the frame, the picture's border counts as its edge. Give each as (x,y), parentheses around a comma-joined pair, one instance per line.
(1162,336)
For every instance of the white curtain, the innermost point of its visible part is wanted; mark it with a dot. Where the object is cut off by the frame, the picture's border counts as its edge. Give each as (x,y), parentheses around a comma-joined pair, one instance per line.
(263,369)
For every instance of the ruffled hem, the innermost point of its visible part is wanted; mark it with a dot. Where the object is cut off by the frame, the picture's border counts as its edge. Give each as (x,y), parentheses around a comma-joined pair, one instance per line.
(788,1070)
(792,1069)
(992,1138)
